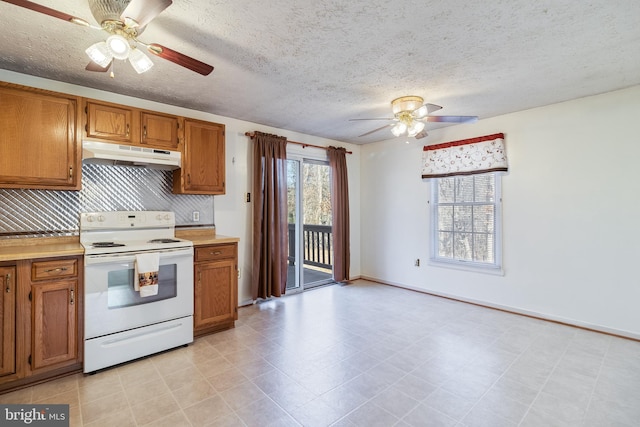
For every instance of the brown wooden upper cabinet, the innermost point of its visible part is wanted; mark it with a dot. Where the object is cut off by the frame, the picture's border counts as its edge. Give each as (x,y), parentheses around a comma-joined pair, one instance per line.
(39,145)
(111,122)
(203,164)
(131,126)
(159,130)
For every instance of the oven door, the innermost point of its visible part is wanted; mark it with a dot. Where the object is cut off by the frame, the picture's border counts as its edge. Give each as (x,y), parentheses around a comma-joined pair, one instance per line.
(111,303)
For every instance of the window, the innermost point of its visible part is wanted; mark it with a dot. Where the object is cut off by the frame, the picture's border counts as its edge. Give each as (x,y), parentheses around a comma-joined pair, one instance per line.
(466,221)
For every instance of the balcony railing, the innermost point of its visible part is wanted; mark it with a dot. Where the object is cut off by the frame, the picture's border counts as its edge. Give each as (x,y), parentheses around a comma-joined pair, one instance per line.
(318,251)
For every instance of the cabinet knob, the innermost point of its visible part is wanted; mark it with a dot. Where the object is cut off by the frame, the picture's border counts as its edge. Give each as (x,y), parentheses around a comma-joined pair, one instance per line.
(73,296)
(8,283)
(216,253)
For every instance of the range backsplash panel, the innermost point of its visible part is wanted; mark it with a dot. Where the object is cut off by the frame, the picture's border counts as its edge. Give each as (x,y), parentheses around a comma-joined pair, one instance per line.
(28,213)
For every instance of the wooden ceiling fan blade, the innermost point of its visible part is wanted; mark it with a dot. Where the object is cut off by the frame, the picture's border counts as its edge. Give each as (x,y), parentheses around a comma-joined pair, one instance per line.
(452,119)
(375,130)
(143,11)
(48,11)
(180,59)
(92,66)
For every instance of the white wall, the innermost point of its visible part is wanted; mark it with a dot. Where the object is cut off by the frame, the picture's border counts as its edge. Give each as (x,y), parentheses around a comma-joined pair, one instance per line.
(571,212)
(571,207)
(232,213)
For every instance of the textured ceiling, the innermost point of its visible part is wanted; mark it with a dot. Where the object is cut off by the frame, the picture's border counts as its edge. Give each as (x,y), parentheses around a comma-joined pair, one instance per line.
(310,66)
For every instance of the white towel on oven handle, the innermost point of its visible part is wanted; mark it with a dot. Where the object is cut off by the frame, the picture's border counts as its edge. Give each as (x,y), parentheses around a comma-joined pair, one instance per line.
(145,264)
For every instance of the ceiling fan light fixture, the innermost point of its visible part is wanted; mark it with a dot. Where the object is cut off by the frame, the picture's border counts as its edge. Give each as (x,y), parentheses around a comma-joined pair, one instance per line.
(100,54)
(399,129)
(139,61)
(118,46)
(415,128)
(406,103)
(420,112)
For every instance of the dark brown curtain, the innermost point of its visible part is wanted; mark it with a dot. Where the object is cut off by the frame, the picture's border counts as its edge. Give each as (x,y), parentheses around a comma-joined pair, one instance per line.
(340,212)
(269,273)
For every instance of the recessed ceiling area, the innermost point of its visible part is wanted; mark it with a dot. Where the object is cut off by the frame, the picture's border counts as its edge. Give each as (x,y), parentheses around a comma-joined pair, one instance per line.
(310,67)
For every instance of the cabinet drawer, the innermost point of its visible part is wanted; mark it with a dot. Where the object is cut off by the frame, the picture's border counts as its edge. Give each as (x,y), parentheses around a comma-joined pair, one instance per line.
(53,269)
(214,252)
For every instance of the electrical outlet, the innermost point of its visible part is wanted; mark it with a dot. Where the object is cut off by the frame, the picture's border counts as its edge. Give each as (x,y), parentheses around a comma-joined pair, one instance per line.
(248,197)
(417,264)
(239,274)
(196,216)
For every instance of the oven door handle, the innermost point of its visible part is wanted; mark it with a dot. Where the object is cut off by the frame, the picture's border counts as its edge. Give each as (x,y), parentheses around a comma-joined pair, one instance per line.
(131,256)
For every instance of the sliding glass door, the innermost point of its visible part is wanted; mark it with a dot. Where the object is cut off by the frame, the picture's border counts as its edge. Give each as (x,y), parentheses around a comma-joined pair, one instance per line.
(310,261)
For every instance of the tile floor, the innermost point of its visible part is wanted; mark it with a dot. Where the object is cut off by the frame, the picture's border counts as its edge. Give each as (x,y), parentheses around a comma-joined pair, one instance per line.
(367,355)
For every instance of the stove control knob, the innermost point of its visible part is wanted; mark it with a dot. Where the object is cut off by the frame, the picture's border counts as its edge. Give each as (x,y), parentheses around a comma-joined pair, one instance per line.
(89,218)
(167,217)
(101,218)
(159,217)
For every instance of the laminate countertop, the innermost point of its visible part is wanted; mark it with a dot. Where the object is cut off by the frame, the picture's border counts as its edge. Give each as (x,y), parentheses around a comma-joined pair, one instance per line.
(49,247)
(206,236)
(39,247)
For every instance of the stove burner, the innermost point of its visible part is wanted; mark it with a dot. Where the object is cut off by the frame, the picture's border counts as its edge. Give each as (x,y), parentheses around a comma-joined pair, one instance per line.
(164,241)
(106,245)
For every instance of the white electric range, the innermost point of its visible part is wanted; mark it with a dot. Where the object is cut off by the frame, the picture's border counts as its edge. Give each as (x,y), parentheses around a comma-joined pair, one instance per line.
(119,324)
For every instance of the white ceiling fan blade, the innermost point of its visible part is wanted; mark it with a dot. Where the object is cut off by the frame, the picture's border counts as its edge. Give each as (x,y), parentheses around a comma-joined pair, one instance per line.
(432,107)
(376,130)
(452,119)
(376,118)
(425,110)
(421,134)
(143,11)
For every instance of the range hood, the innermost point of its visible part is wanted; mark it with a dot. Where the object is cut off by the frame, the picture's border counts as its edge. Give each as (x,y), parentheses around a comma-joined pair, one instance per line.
(103,153)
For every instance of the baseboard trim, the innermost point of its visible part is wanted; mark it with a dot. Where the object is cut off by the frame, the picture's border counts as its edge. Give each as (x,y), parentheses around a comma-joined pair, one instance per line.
(513,310)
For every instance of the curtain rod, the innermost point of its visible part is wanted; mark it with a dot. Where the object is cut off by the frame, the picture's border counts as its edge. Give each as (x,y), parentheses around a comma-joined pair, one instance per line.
(304,145)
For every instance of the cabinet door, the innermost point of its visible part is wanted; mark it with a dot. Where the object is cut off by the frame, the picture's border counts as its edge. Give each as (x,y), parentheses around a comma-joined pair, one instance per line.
(7,320)
(38,135)
(215,299)
(54,328)
(203,170)
(111,122)
(160,131)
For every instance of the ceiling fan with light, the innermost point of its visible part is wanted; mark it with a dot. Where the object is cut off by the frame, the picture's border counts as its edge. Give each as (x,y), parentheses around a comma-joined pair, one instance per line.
(124,20)
(410,114)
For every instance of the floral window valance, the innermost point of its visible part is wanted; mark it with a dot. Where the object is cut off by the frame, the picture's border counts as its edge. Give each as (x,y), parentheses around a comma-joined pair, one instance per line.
(466,157)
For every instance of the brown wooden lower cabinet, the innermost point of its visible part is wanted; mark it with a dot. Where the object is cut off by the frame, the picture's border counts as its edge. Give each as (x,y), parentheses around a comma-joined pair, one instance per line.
(41,337)
(216,288)
(54,329)
(8,321)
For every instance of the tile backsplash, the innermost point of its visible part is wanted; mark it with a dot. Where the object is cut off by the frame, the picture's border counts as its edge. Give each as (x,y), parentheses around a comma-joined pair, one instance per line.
(28,213)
